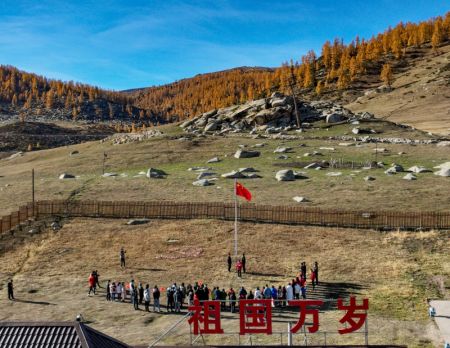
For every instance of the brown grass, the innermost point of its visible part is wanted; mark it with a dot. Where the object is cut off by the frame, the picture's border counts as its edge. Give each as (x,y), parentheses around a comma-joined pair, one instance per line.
(395,271)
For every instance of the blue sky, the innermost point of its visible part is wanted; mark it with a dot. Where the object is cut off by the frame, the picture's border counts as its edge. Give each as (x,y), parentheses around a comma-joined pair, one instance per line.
(121,44)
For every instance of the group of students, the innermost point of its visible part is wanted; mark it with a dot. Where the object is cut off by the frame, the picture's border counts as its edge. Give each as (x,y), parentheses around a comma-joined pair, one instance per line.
(179,295)
(139,295)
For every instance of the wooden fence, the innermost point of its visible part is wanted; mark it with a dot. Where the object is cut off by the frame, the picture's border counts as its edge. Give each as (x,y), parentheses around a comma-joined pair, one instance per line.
(247,212)
(14,219)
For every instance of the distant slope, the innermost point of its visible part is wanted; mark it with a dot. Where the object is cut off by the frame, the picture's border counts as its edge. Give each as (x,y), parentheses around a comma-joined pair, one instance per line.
(27,96)
(420,95)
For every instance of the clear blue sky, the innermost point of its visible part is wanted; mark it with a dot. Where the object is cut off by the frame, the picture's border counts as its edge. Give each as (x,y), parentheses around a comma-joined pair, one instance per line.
(121,44)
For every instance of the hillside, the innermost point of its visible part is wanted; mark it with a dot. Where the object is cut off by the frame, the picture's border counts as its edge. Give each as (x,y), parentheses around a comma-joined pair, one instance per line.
(26,97)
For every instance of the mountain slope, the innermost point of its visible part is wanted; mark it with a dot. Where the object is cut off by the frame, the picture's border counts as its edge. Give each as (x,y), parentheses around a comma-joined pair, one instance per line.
(420,96)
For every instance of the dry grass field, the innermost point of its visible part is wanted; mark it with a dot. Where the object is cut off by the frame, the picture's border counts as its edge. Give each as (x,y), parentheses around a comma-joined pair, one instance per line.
(349,190)
(397,271)
(420,97)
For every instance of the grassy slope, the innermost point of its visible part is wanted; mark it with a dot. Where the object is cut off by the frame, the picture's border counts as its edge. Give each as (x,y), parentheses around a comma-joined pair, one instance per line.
(176,156)
(396,271)
(421,95)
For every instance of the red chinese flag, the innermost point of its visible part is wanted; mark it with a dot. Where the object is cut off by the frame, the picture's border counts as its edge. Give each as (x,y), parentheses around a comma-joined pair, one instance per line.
(243,192)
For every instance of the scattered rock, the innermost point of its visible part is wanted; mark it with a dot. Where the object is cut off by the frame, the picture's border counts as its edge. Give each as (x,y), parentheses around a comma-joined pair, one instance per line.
(199,169)
(409,176)
(283,157)
(155,173)
(253,176)
(380,150)
(334,174)
(445,172)
(213,160)
(282,149)
(202,182)
(233,175)
(15,155)
(443,143)
(204,175)
(301,199)
(396,168)
(246,154)
(418,170)
(247,170)
(334,118)
(74,153)
(138,221)
(107,175)
(327,148)
(66,176)
(346,144)
(369,178)
(285,175)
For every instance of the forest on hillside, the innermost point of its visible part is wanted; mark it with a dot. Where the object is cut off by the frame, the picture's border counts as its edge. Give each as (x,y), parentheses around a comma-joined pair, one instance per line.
(339,66)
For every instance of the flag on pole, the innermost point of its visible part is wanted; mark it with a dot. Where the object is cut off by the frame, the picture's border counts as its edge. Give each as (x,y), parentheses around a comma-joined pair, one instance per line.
(242,191)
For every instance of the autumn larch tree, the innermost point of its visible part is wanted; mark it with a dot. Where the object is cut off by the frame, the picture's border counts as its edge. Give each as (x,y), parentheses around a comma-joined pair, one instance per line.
(387,74)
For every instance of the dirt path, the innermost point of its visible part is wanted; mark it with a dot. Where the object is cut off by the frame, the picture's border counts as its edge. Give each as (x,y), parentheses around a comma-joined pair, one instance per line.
(442,318)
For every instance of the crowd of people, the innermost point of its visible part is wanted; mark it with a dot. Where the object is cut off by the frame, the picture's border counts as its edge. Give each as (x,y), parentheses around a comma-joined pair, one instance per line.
(177,296)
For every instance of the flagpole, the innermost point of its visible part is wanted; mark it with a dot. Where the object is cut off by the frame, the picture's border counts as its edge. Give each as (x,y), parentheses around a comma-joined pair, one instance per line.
(235,220)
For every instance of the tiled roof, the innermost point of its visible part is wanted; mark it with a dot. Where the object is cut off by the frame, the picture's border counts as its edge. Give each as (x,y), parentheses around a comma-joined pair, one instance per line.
(54,335)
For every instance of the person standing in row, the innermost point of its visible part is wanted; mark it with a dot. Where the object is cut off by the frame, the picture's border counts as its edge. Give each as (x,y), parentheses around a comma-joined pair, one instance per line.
(147,298)
(141,293)
(156,295)
(229,262)
(11,290)
(316,272)
(108,290)
(122,257)
(243,262)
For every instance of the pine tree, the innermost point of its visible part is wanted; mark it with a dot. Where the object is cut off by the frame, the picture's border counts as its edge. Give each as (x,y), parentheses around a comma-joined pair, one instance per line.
(387,74)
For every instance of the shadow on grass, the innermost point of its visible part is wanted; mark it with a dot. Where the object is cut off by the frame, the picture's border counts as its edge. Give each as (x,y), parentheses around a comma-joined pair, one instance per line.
(261,274)
(36,302)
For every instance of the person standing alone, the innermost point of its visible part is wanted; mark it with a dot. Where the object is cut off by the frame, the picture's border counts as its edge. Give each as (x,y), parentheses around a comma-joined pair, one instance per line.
(122,257)
(243,262)
(229,262)
(11,290)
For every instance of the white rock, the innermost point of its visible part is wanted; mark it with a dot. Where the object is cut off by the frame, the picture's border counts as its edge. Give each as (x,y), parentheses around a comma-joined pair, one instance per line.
(202,182)
(107,175)
(443,143)
(445,172)
(409,176)
(213,160)
(199,169)
(233,175)
(282,149)
(66,176)
(285,175)
(155,173)
(334,174)
(418,169)
(299,199)
(369,178)
(327,148)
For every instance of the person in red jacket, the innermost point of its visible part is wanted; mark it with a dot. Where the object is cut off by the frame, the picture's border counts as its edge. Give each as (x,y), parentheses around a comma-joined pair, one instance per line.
(91,281)
(313,278)
(239,268)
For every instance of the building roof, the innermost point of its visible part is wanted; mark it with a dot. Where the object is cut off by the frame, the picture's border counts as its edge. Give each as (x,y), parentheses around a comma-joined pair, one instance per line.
(54,335)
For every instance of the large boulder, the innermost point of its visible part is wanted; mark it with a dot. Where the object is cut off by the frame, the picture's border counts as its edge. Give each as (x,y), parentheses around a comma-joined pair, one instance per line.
(334,118)
(443,172)
(395,168)
(246,154)
(285,175)
(205,175)
(299,199)
(211,126)
(187,123)
(233,175)
(155,173)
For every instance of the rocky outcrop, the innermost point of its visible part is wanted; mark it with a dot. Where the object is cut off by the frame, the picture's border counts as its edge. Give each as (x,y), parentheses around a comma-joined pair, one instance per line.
(275,114)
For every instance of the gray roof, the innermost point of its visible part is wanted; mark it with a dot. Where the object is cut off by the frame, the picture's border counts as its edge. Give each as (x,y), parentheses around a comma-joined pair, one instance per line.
(54,335)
